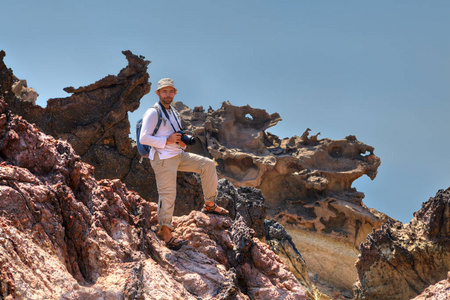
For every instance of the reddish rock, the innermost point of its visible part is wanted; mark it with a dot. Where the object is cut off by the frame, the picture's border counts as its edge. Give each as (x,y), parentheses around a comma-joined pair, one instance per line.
(64,235)
(94,121)
(304,179)
(438,291)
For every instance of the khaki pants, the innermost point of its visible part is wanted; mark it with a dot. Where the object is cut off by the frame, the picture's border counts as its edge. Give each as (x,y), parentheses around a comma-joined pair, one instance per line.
(166,180)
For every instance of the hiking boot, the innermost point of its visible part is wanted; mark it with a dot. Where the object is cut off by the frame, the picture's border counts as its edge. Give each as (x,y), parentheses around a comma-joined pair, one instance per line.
(212,210)
(176,244)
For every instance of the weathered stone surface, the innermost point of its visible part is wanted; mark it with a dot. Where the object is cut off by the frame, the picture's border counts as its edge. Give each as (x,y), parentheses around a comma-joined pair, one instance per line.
(64,235)
(305,167)
(399,261)
(22,91)
(280,241)
(245,202)
(438,291)
(306,182)
(94,121)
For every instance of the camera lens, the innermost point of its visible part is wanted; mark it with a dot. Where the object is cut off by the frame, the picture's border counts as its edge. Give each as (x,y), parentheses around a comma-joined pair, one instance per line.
(188,139)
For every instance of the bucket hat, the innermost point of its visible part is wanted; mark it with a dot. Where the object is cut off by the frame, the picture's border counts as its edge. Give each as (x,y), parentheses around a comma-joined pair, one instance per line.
(165,82)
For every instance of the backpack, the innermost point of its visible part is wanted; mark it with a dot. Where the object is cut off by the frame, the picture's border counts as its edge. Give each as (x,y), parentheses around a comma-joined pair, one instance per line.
(144,150)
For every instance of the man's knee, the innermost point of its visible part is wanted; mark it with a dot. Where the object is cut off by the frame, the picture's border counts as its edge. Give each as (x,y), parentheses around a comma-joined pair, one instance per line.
(209,164)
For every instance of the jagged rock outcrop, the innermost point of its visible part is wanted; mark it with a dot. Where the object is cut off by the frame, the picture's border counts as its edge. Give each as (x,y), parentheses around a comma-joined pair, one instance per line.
(22,91)
(247,156)
(280,241)
(306,181)
(90,235)
(64,235)
(94,121)
(399,261)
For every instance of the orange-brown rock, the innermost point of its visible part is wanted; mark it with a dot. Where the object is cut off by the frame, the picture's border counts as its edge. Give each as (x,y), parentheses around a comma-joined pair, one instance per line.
(306,183)
(399,261)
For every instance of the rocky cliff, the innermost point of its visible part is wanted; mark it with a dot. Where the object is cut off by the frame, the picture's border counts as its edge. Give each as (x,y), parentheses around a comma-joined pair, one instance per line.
(306,181)
(64,235)
(303,183)
(399,261)
(94,121)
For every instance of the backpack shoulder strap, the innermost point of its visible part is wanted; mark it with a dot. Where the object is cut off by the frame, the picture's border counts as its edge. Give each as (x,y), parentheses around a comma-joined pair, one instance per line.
(158,124)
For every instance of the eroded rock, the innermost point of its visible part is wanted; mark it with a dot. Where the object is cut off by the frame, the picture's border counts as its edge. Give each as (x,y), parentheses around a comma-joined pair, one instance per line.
(65,235)
(94,121)
(22,91)
(399,261)
(305,181)
(438,291)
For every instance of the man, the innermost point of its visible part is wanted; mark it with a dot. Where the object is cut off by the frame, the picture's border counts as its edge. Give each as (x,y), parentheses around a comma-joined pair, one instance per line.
(167,156)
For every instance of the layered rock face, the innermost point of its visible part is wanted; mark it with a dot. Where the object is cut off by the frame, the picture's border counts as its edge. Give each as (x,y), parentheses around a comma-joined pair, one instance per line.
(64,235)
(400,261)
(306,181)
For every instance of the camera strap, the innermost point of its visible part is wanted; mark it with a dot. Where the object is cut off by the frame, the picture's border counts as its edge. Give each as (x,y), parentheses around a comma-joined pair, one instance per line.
(174,116)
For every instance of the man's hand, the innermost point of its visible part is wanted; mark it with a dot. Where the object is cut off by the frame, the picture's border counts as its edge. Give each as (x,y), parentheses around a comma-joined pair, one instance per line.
(175,138)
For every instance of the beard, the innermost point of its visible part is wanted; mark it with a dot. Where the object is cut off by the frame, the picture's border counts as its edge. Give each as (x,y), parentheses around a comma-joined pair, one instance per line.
(166,100)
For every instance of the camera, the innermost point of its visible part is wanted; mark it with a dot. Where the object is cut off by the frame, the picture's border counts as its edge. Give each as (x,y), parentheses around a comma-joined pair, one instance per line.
(186,138)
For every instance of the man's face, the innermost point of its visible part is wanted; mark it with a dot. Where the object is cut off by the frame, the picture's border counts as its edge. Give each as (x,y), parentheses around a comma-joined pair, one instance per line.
(166,95)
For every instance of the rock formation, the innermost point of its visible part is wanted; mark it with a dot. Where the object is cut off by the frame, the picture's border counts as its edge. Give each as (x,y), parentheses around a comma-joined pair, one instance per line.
(399,261)
(306,182)
(303,183)
(94,121)
(22,91)
(438,291)
(64,235)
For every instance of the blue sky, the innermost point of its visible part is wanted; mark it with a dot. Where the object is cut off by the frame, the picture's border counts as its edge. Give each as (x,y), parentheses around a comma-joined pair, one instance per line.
(379,70)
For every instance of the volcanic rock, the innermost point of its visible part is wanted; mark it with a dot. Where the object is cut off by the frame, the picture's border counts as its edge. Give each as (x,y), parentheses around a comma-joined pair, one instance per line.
(305,181)
(94,121)
(22,91)
(67,235)
(399,261)
(64,235)
(438,291)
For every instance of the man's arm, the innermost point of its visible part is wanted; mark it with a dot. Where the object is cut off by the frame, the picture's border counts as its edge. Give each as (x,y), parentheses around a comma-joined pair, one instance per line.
(149,122)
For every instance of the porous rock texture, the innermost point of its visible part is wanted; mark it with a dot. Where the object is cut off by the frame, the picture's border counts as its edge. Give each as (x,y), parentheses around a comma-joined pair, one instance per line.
(438,291)
(94,120)
(305,181)
(399,261)
(64,235)
(86,243)
(22,91)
